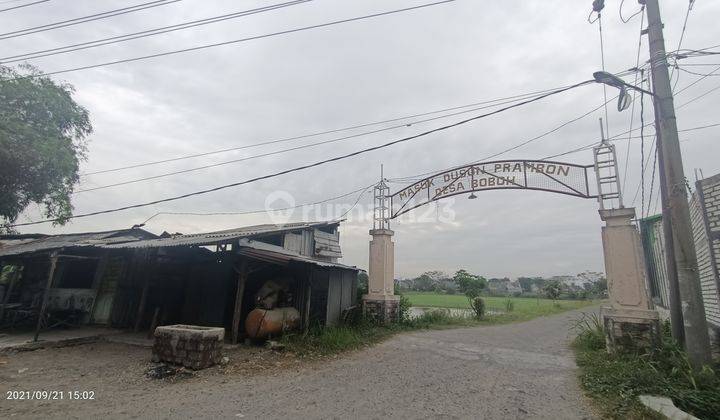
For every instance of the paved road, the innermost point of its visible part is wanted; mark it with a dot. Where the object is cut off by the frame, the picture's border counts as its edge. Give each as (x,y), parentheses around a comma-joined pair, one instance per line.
(523,370)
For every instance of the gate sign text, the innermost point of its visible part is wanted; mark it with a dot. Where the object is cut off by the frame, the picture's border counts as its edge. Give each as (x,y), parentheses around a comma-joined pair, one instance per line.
(558,177)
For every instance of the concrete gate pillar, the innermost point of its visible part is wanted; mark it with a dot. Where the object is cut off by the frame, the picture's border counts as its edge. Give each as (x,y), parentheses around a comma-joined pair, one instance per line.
(630,320)
(381,302)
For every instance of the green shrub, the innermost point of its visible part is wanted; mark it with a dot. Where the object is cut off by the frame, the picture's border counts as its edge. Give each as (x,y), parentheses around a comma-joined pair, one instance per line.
(509,305)
(617,380)
(478,306)
(404,308)
(590,332)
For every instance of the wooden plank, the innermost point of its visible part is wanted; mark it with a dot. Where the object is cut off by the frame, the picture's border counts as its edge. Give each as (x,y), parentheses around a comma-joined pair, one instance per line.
(239,295)
(327,253)
(143,296)
(46,293)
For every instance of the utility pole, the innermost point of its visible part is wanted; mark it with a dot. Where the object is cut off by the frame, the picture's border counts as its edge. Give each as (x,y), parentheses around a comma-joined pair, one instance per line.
(676,317)
(677,211)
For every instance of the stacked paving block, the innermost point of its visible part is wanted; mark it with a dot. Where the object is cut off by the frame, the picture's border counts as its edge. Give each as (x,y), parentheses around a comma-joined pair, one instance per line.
(192,346)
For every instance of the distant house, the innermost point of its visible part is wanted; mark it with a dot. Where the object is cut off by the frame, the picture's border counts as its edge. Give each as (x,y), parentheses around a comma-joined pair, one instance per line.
(134,279)
(504,286)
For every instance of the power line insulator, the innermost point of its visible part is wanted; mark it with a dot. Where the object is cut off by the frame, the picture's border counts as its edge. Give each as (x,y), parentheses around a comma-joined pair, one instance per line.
(598,5)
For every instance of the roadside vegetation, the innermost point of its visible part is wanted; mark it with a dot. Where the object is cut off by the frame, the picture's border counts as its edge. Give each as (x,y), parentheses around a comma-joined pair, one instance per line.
(468,306)
(363,332)
(521,307)
(615,381)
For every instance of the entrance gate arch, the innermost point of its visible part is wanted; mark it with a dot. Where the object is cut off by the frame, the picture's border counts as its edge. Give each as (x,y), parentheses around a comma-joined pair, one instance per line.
(558,177)
(624,263)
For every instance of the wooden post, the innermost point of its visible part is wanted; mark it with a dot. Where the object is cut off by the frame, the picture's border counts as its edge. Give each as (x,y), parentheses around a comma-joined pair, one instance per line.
(307,298)
(143,296)
(46,293)
(154,323)
(8,291)
(306,313)
(239,294)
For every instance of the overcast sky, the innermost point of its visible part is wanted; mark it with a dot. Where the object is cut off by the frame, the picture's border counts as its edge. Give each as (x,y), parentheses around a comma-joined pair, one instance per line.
(453,54)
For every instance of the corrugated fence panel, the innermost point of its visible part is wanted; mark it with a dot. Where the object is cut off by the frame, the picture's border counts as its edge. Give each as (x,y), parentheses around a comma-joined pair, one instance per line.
(705,214)
(653,241)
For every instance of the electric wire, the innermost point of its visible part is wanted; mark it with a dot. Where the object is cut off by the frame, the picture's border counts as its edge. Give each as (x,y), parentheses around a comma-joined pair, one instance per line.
(353,136)
(696,73)
(682,37)
(235,41)
(497,102)
(23,5)
(604,86)
(514,147)
(632,110)
(698,80)
(310,165)
(342,216)
(652,179)
(146,33)
(645,164)
(617,138)
(85,19)
(642,153)
(240,213)
(642,9)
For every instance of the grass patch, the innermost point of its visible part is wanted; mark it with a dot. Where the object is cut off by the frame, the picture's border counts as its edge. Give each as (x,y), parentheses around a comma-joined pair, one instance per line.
(615,381)
(320,341)
(522,308)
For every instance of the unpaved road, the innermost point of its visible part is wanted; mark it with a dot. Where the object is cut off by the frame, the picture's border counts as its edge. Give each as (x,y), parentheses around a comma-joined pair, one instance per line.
(523,370)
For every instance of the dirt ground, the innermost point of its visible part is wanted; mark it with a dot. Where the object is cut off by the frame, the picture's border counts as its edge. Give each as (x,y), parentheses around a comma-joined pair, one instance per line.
(522,370)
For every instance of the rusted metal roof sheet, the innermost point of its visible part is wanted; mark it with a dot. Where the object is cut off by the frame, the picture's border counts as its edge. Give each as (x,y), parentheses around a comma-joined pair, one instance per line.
(219,237)
(279,255)
(10,245)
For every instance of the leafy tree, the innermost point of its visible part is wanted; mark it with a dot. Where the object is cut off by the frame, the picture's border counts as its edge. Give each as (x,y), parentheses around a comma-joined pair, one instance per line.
(599,288)
(424,283)
(43,134)
(552,289)
(362,285)
(472,286)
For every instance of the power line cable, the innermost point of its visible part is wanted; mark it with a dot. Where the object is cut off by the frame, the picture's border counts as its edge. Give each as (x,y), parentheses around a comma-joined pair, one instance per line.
(642,9)
(696,73)
(497,102)
(617,138)
(698,80)
(517,146)
(682,37)
(23,5)
(240,213)
(311,165)
(645,164)
(146,33)
(218,44)
(602,60)
(652,180)
(642,152)
(353,136)
(632,110)
(85,19)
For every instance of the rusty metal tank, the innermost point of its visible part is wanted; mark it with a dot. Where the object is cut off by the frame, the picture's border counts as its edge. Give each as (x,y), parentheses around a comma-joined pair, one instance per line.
(263,323)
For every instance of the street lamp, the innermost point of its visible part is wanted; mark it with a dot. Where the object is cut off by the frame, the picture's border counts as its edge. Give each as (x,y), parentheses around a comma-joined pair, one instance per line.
(624,100)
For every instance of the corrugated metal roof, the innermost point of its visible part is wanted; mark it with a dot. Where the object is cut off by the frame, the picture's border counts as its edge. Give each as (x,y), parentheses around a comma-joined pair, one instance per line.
(211,238)
(14,246)
(278,254)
